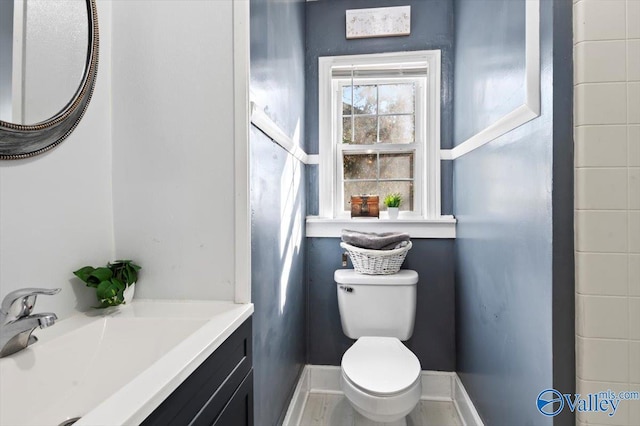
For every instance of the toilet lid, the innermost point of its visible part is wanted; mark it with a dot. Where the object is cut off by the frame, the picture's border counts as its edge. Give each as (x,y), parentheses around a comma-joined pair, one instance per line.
(381,365)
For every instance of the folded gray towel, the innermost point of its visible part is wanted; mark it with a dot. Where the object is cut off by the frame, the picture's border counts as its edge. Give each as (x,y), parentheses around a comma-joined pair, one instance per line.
(373,241)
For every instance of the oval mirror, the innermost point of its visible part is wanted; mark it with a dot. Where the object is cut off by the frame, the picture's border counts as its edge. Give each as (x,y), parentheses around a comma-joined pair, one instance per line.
(48,65)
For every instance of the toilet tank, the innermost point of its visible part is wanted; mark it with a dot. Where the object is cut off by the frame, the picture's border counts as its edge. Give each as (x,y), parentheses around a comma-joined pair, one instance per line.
(377,305)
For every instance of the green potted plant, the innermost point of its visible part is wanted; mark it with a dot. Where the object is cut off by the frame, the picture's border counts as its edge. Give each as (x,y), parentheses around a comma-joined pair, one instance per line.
(114,283)
(393,201)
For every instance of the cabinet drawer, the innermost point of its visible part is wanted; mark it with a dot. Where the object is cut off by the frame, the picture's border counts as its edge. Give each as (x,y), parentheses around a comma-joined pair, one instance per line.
(211,385)
(239,410)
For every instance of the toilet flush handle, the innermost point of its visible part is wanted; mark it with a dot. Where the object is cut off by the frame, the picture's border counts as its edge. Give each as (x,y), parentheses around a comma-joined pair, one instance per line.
(346,288)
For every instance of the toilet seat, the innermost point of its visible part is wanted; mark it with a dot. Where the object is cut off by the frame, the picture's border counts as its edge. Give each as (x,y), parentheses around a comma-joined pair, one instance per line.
(380,366)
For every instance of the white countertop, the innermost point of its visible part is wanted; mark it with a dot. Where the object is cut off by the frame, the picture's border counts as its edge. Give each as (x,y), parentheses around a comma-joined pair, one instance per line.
(136,400)
(113,366)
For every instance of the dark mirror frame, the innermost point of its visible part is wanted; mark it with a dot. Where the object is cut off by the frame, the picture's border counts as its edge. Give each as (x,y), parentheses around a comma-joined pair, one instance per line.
(19,141)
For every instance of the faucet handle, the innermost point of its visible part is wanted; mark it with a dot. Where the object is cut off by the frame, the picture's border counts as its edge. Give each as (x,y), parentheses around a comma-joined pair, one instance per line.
(20,303)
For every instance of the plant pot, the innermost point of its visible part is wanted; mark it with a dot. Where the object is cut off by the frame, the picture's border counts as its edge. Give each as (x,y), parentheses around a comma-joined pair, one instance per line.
(393,212)
(128,293)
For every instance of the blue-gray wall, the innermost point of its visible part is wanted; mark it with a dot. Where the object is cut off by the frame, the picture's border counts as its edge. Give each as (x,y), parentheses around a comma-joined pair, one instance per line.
(277,208)
(563,311)
(433,339)
(512,292)
(431,28)
(489,63)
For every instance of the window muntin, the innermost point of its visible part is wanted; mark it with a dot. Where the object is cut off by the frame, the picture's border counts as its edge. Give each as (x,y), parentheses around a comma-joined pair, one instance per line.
(378,113)
(379,174)
(380,138)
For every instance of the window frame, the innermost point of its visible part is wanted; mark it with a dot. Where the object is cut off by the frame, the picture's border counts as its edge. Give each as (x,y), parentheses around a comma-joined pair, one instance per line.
(426,171)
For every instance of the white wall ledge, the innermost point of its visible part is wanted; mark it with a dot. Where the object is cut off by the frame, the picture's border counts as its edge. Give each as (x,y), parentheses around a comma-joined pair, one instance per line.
(443,227)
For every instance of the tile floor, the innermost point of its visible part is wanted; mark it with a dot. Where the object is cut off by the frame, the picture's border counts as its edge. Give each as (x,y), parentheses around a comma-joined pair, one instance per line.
(334,410)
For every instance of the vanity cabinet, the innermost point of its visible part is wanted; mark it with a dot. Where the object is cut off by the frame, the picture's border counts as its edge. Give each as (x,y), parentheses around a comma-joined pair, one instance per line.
(218,393)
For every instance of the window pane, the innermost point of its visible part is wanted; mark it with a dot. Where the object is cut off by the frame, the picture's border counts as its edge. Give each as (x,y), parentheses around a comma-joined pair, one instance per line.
(360,166)
(396,166)
(397,129)
(346,130)
(366,130)
(396,98)
(346,100)
(358,188)
(403,187)
(365,99)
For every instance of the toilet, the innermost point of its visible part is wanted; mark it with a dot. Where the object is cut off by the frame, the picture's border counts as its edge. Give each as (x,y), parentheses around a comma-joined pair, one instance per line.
(380,377)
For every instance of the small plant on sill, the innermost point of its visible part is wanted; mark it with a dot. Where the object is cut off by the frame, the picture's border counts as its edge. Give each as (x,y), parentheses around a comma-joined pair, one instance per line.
(111,281)
(393,200)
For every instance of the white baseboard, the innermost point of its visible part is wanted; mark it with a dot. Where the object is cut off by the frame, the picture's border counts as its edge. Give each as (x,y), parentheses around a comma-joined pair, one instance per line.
(436,386)
(466,410)
(298,400)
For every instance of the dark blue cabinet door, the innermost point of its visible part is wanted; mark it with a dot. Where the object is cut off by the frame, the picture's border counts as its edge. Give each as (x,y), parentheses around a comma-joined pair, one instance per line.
(208,395)
(239,410)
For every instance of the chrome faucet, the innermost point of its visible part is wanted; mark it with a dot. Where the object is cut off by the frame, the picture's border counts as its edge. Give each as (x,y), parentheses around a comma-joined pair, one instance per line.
(16,321)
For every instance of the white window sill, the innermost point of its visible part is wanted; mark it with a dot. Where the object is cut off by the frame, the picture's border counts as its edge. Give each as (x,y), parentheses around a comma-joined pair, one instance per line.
(442,227)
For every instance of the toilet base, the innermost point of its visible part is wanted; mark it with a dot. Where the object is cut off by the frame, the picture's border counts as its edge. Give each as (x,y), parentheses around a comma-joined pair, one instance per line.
(383,409)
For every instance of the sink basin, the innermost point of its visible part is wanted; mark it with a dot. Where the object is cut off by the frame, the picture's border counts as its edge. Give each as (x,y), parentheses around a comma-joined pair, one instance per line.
(120,365)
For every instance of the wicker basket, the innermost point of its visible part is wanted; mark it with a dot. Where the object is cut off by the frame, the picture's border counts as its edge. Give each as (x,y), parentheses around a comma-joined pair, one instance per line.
(376,262)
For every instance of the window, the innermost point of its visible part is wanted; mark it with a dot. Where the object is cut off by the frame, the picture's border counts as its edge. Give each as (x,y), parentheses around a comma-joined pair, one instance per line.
(380,138)
(379,131)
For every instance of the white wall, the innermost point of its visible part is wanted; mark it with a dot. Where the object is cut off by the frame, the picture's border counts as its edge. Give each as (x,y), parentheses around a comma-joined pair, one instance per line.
(607,202)
(56,209)
(173,145)
(167,119)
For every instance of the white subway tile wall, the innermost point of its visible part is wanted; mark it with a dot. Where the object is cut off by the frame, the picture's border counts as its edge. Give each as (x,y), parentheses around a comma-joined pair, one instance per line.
(621,417)
(604,360)
(614,325)
(633,60)
(608,52)
(607,202)
(604,274)
(634,275)
(599,20)
(633,19)
(600,103)
(601,188)
(601,231)
(633,139)
(601,146)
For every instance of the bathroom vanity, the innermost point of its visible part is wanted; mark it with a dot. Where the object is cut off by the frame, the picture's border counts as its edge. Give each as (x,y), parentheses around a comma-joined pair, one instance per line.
(151,362)
(219,392)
